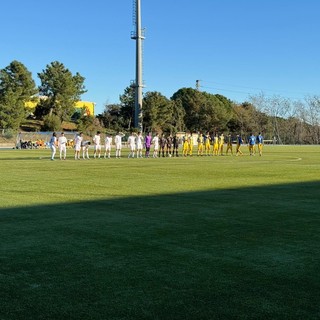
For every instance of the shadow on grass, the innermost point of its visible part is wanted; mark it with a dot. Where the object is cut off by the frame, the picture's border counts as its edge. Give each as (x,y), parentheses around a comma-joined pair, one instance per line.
(249,253)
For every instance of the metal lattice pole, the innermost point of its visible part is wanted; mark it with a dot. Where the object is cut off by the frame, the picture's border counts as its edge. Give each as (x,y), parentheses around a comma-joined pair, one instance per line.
(138,37)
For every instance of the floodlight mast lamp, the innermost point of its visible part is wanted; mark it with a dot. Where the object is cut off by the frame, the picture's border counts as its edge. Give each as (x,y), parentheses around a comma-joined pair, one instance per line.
(138,85)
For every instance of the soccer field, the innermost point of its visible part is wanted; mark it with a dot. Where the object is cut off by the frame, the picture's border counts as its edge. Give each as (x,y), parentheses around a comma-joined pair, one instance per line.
(169,238)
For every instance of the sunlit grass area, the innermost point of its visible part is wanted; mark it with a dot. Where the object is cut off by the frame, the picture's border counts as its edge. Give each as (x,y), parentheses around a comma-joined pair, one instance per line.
(170,238)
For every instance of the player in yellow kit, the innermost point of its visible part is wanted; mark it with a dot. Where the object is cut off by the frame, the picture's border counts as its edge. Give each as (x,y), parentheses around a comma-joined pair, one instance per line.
(190,144)
(221,143)
(207,143)
(229,144)
(185,145)
(200,144)
(215,145)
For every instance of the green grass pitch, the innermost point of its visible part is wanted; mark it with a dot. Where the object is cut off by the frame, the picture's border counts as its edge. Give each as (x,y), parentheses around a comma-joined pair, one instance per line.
(171,238)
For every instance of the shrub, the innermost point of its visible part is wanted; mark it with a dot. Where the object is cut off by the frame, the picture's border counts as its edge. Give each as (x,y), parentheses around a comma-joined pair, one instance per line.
(9,133)
(51,123)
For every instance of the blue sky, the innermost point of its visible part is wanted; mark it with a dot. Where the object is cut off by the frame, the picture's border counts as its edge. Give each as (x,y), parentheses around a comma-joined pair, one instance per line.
(237,48)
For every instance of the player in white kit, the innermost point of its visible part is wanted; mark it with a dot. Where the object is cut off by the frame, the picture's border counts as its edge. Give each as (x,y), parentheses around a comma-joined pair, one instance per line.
(107,143)
(155,142)
(97,145)
(77,146)
(132,145)
(139,140)
(85,149)
(118,143)
(62,144)
(52,143)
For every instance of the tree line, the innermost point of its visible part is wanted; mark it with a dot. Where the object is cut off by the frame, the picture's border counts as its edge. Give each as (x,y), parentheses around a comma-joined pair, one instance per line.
(279,119)
(284,120)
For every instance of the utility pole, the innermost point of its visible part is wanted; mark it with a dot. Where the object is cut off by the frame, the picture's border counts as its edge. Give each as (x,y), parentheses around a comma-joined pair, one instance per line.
(138,85)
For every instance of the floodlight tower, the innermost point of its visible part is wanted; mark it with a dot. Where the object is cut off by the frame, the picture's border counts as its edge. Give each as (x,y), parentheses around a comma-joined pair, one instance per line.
(138,36)
(198,85)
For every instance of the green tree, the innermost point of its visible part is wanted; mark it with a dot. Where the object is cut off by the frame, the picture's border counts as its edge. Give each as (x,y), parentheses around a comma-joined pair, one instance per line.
(89,125)
(111,117)
(120,116)
(16,87)
(158,112)
(216,112)
(127,108)
(178,116)
(192,101)
(204,111)
(61,89)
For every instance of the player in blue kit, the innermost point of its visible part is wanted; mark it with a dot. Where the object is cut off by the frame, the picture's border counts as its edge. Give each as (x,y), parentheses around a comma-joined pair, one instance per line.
(252,143)
(239,144)
(260,143)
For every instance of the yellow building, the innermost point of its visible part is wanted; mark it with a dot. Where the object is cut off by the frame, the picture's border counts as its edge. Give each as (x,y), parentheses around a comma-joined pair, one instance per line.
(88,105)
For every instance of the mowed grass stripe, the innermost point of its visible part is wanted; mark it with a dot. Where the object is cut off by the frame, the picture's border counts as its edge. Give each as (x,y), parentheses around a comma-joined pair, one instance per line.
(28,180)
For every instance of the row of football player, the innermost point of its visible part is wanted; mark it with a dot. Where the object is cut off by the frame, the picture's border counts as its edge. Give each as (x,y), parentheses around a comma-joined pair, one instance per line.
(214,144)
(165,146)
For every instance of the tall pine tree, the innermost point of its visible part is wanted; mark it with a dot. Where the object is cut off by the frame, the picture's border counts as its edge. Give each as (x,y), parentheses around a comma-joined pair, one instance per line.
(61,90)
(16,87)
